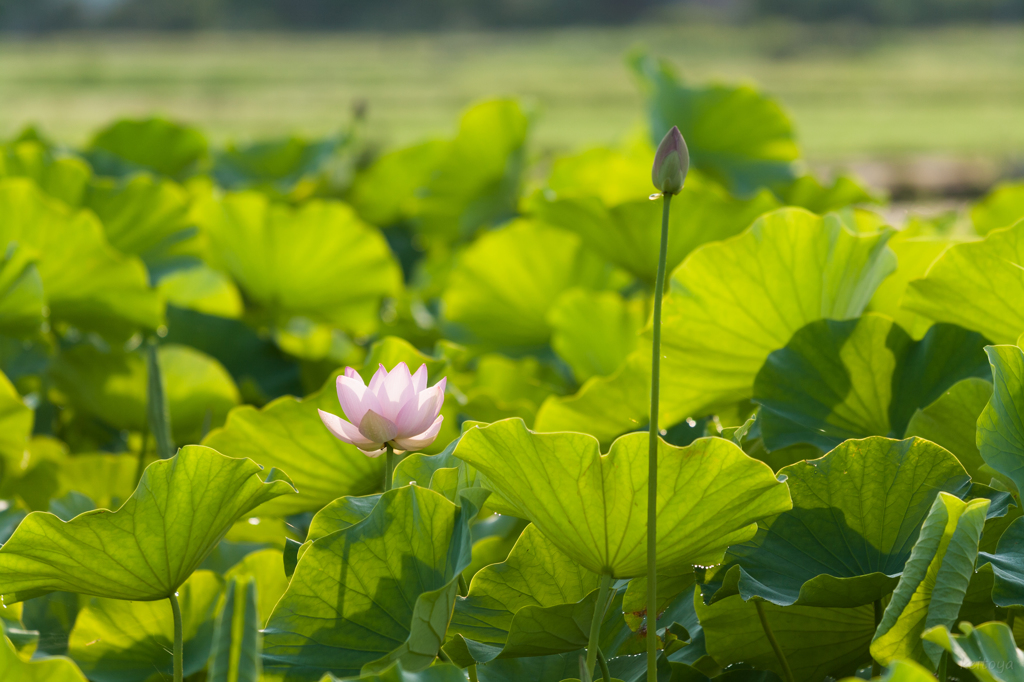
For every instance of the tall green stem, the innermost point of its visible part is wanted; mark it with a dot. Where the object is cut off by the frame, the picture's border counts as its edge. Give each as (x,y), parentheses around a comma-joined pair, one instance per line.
(595,624)
(472,673)
(389,470)
(606,674)
(178,645)
(652,457)
(787,673)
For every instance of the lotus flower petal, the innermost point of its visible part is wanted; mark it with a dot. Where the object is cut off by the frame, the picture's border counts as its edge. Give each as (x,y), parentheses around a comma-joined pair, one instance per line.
(417,415)
(344,431)
(419,379)
(396,391)
(376,428)
(421,440)
(356,399)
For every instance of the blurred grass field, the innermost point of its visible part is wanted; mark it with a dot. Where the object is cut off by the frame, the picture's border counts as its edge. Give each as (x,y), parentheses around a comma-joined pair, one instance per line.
(854,92)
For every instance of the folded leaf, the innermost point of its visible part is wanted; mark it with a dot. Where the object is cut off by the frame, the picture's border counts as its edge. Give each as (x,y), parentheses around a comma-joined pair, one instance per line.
(1001,424)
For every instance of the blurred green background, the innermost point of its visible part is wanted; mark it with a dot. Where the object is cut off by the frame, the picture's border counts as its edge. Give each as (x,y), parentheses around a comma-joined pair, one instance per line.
(928,93)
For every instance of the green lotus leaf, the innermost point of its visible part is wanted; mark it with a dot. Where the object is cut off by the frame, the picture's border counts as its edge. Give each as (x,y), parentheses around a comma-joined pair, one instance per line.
(934,581)
(153,144)
(204,290)
(735,134)
(808,192)
(902,671)
(126,641)
(439,672)
(504,284)
(1001,207)
(22,299)
(147,548)
(106,479)
(385,193)
(33,477)
(286,167)
(16,419)
(503,387)
(113,387)
(374,593)
(854,378)
(443,472)
(988,650)
(477,180)
(733,302)
(626,228)
(709,494)
(266,569)
(235,649)
(915,254)
(56,669)
(537,602)
(140,214)
(1007,566)
(286,260)
(951,421)
(604,407)
(1000,427)
(856,515)
(62,177)
(976,285)
(817,641)
(594,331)
(86,282)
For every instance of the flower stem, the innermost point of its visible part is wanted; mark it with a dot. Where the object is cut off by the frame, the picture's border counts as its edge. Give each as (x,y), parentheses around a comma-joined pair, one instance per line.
(389,470)
(652,457)
(787,673)
(472,674)
(178,644)
(595,625)
(603,662)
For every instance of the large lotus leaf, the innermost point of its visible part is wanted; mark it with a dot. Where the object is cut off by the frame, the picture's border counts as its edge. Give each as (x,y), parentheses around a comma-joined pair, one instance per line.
(626,230)
(106,479)
(1007,564)
(1001,207)
(57,669)
(86,282)
(385,193)
(128,641)
(594,331)
(934,581)
(614,176)
(284,167)
(112,386)
(477,180)
(808,192)
(854,378)
(976,285)
(439,672)
(374,593)
(503,285)
(62,177)
(604,407)
(951,421)
(735,134)
(988,651)
(1001,424)
(709,494)
(734,302)
(915,255)
(531,604)
(22,299)
(817,641)
(16,420)
(152,144)
(503,387)
(855,518)
(318,260)
(203,289)
(139,214)
(147,548)
(33,477)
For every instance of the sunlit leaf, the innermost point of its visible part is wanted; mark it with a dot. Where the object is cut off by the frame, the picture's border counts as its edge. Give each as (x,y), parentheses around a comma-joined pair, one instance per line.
(385,193)
(62,177)
(204,290)
(915,254)
(153,144)
(988,651)
(856,515)
(133,553)
(374,593)
(808,192)
(934,581)
(976,285)
(595,331)
(139,214)
(235,654)
(854,378)
(1001,207)
(709,494)
(951,421)
(1007,566)
(38,670)
(16,420)
(734,302)
(1000,426)
(288,261)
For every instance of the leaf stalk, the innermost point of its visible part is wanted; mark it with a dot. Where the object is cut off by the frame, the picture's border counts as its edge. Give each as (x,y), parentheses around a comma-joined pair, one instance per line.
(389,469)
(787,673)
(178,644)
(595,624)
(652,471)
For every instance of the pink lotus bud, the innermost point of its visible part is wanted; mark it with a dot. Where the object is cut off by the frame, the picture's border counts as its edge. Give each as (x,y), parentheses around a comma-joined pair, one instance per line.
(671,162)
(395,409)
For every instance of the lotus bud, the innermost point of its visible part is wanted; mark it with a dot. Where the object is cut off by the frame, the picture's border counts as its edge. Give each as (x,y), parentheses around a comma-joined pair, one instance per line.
(396,409)
(671,162)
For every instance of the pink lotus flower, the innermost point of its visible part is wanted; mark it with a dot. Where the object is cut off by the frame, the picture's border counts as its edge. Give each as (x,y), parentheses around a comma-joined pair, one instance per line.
(396,409)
